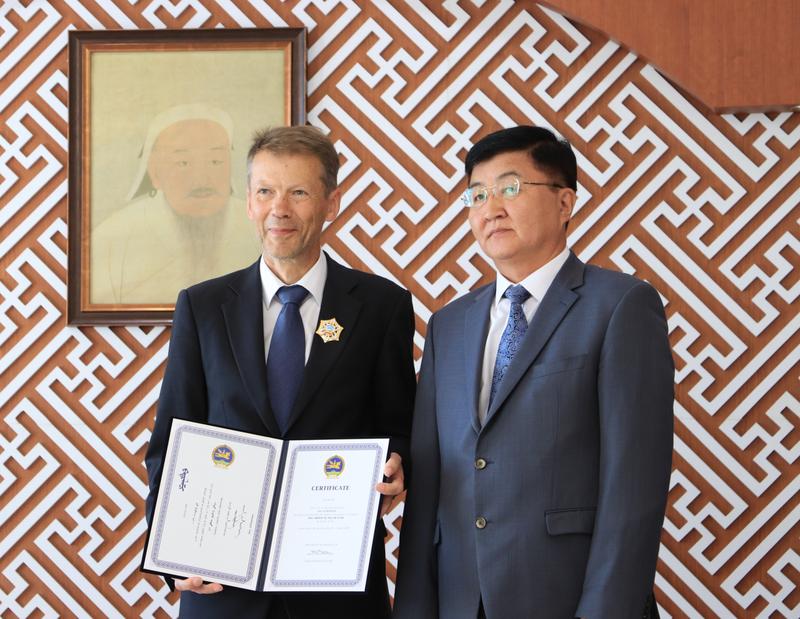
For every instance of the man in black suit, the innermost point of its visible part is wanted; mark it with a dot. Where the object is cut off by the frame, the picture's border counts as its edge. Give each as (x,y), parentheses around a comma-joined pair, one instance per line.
(223,367)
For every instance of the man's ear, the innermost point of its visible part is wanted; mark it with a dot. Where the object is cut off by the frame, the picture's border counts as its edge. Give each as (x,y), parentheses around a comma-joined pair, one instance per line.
(248,199)
(151,171)
(566,204)
(334,202)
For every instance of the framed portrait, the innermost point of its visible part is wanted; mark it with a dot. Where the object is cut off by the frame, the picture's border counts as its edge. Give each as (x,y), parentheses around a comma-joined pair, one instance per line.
(160,124)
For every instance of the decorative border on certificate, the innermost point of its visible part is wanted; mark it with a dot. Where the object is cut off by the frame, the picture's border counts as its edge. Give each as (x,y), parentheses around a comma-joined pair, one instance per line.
(263,508)
(377,475)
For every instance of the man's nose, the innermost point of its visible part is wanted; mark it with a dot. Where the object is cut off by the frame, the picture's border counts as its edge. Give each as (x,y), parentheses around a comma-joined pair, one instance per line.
(195,174)
(281,205)
(495,206)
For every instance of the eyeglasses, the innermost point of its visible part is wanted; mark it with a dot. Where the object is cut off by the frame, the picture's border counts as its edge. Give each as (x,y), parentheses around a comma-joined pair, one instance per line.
(507,189)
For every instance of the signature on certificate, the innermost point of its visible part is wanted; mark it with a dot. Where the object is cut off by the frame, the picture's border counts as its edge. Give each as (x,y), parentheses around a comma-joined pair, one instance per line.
(184,475)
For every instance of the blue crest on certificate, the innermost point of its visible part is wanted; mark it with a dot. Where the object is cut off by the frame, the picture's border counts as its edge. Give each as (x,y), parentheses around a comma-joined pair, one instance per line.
(334,466)
(222,456)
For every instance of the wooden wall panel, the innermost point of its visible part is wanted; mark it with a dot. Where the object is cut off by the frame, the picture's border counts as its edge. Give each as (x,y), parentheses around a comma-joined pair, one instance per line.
(704,206)
(732,55)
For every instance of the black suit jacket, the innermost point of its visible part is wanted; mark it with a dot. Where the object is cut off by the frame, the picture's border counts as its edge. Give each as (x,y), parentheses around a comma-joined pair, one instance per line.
(362,385)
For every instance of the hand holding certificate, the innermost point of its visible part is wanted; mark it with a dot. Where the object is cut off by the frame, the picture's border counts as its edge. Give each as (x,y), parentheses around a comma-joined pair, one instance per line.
(258,513)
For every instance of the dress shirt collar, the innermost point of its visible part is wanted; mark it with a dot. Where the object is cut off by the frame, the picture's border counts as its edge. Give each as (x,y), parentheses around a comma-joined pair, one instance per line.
(313,280)
(537,282)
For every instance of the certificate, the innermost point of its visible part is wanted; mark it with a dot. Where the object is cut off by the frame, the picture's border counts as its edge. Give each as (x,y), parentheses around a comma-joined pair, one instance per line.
(258,513)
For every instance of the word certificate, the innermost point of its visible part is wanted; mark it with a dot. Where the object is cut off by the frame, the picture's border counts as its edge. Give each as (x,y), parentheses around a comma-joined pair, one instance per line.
(263,514)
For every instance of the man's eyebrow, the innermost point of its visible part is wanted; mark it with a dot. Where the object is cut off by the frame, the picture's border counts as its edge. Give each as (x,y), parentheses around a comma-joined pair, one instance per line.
(186,150)
(509,173)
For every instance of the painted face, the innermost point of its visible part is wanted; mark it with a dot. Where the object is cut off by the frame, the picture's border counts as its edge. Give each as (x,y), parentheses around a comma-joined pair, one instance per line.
(191,164)
(526,232)
(289,204)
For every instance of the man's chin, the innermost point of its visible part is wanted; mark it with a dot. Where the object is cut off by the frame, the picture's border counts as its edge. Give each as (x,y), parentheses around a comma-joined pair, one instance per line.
(281,255)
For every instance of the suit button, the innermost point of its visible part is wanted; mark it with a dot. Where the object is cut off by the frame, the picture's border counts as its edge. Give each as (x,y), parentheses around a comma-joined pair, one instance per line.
(480,522)
(480,464)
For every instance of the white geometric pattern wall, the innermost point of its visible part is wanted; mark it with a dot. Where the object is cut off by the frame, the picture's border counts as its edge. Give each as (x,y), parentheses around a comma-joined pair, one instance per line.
(706,207)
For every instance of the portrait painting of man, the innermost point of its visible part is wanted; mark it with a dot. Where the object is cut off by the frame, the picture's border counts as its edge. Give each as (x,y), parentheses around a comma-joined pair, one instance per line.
(182,223)
(164,126)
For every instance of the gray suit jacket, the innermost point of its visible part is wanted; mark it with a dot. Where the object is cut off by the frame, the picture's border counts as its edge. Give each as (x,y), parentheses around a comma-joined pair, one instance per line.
(570,471)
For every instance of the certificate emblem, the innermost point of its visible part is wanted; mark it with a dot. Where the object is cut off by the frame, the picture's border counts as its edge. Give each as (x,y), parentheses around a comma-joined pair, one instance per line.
(334,466)
(222,456)
(329,330)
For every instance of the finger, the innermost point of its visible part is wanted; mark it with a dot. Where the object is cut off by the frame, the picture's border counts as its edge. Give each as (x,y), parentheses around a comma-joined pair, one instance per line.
(188,584)
(393,485)
(391,488)
(392,464)
(195,585)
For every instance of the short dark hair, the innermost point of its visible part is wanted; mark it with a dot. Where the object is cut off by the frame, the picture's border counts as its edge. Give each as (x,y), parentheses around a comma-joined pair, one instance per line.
(552,154)
(297,140)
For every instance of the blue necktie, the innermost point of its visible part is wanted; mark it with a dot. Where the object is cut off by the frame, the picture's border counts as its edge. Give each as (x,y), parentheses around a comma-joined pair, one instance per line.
(287,354)
(512,336)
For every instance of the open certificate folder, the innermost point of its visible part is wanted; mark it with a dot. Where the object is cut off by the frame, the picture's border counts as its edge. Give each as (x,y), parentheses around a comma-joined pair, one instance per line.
(258,513)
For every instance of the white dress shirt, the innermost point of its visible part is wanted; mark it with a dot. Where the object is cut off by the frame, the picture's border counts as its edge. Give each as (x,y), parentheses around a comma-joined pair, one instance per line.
(536,284)
(313,281)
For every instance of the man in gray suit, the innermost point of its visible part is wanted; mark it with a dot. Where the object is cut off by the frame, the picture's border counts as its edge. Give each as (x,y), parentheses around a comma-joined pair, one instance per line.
(542,438)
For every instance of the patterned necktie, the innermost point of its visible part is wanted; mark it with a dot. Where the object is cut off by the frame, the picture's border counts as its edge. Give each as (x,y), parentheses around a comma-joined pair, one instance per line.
(287,354)
(512,336)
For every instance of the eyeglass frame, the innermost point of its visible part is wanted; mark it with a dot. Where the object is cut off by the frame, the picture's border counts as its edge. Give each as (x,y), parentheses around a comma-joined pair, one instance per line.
(466,197)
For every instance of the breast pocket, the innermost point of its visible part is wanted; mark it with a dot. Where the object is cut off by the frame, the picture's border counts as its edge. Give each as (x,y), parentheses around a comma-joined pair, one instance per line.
(555,366)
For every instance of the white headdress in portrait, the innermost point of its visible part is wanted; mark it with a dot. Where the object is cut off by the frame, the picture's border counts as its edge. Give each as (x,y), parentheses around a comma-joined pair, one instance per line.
(167,118)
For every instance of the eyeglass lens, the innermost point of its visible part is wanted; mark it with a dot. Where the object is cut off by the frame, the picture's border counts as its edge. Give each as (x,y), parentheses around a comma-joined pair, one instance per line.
(478,195)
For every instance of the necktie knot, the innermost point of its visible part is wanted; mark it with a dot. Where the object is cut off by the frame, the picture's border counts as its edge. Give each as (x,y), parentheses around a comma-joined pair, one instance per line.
(517,294)
(291,294)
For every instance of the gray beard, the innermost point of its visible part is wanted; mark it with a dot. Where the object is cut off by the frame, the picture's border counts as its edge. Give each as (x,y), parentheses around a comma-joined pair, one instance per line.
(202,235)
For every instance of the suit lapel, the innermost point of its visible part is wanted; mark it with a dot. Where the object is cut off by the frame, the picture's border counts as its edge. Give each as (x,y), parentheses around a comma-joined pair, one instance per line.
(476,326)
(339,304)
(246,335)
(551,311)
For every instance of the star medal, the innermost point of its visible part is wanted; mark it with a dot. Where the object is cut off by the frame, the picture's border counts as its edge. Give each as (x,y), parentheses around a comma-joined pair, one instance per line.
(329,330)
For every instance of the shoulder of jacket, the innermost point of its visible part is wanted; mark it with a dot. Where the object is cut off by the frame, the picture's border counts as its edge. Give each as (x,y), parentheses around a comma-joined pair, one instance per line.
(460,304)
(377,284)
(595,275)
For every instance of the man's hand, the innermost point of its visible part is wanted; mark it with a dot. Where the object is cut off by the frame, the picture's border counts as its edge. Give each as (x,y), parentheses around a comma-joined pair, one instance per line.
(195,585)
(395,483)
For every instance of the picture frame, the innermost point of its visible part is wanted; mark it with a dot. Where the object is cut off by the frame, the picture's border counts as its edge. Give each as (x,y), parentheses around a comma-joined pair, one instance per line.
(160,122)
